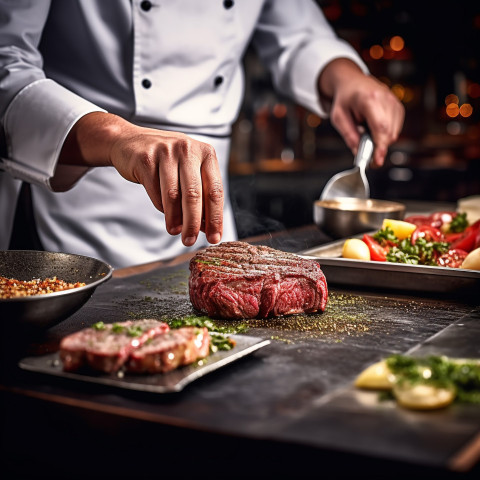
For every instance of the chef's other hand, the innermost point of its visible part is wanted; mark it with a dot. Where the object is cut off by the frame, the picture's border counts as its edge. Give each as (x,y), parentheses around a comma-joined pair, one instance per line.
(353,99)
(181,175)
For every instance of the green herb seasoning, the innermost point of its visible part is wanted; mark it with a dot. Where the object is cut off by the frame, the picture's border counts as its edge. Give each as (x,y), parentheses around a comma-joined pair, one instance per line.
(463,376)
(386,235)
(459,223)
(117,328)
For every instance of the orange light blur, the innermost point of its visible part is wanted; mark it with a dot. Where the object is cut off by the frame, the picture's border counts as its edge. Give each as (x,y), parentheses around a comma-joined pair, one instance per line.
(408,95)
(376,52)
(466,110)
(313,121)
(452,98)
(399,91)
(279,110)
(452,110)
(397,43)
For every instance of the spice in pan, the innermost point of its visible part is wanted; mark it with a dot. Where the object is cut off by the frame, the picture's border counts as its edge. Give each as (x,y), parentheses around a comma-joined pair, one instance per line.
(12,288)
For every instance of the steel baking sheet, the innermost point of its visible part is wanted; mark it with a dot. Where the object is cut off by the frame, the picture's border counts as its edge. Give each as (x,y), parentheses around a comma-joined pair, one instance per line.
(392,276)
(173,381)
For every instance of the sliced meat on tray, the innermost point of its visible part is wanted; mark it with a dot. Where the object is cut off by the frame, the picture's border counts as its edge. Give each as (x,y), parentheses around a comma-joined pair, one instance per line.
(174,349)
(236,280)
(106,347)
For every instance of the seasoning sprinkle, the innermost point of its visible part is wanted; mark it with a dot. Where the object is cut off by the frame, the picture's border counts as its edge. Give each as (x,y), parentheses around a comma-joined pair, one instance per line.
(13,288)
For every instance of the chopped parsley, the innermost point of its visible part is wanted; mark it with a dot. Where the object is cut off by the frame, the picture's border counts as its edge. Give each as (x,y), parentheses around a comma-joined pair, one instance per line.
(386,236)
(459,223)
(218,334)
(422,253)
(442,372)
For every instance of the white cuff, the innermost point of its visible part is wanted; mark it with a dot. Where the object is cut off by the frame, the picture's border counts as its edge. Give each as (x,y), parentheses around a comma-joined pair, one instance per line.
(36,123)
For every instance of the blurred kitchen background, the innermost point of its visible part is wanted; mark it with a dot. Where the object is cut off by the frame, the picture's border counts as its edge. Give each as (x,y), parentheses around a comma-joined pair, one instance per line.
(428,53)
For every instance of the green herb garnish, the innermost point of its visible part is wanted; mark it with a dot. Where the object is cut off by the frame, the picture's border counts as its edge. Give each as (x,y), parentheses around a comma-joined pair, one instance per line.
(385,235)
(462,376)
(117,328)
(98,326)
(459,223)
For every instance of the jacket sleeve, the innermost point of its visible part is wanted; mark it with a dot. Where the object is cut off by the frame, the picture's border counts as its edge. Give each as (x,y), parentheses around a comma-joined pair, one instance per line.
(296,42)
(36,113)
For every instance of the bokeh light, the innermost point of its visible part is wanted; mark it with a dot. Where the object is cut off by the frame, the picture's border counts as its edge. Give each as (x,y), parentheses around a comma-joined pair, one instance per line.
(279,110)
(376,52)
(399,91)
(397,43)
(313,120)
(452,98)
(452,110)
(466,110)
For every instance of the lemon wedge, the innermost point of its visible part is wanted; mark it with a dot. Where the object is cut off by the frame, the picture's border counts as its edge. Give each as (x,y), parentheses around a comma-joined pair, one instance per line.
(400,228)
(376,377)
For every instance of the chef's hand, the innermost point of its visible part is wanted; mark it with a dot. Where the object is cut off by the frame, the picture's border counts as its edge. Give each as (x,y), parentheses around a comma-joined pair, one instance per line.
(181,175)
(353,99)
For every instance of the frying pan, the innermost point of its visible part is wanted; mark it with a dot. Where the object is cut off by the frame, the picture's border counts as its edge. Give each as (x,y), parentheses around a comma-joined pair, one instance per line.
(43,311)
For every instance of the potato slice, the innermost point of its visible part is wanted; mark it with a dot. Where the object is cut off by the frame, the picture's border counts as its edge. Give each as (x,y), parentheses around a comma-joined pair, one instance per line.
(472,260)
(356,249)
(400,228)
(422,396)
(376,377)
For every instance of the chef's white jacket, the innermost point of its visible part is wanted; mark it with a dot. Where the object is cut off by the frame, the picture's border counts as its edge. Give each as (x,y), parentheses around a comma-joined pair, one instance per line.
(168,64)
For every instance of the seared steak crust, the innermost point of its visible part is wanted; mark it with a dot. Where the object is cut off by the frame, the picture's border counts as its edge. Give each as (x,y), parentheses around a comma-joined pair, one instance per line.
(237,280)
(107,348)
(173,349)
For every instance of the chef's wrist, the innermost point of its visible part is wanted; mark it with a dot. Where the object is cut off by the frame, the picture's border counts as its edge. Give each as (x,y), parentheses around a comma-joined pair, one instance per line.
(332,77)
(90,140)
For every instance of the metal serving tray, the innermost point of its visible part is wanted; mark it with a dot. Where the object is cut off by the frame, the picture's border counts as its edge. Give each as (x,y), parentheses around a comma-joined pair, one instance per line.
(173,381)
(392,276)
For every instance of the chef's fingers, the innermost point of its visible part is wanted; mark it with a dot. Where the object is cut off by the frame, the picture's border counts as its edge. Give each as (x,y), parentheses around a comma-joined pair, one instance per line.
(171,155)
(346,126)
(384,117)
(380,110)
(213,198)
(202,194)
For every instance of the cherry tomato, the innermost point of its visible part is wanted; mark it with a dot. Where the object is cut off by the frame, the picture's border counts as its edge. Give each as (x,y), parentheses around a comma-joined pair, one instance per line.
(469,239)
(442,218)
(377,251)
(431,234)
(418,219)
(453,258)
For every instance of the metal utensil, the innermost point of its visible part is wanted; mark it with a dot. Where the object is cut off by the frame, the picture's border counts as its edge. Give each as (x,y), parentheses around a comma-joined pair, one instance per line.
(353,182)
(346,216)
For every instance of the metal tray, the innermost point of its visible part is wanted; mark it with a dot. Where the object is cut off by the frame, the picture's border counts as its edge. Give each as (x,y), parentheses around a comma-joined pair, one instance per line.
(173,381)
(391,276)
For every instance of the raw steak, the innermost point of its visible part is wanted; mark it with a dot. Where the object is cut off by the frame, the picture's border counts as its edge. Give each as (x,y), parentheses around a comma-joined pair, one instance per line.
(237,280)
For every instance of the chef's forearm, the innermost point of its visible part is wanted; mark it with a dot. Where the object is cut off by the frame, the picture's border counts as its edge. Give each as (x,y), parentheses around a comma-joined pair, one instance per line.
(90,140)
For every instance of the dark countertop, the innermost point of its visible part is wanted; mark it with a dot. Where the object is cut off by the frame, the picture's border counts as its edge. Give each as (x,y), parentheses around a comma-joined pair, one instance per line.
(287,409)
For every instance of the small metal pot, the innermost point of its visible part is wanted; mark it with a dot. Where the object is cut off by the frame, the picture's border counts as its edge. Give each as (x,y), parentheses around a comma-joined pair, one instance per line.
(344,216)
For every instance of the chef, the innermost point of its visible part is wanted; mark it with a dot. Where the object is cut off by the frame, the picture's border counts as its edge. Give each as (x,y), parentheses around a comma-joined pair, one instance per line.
(116,115)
